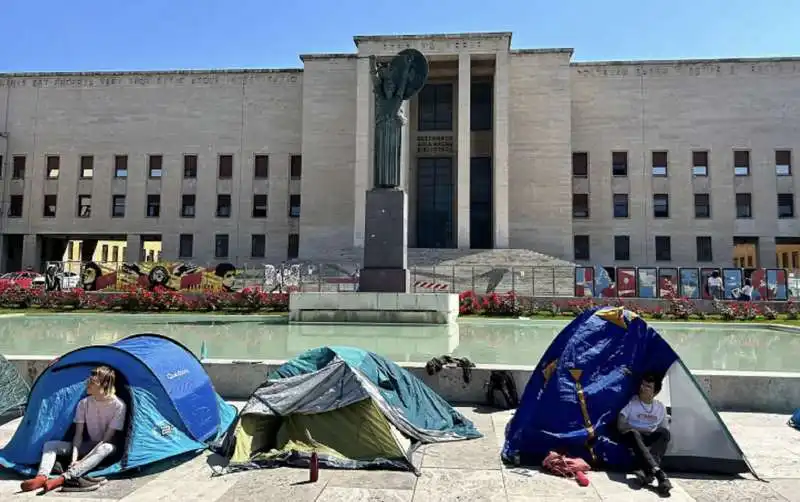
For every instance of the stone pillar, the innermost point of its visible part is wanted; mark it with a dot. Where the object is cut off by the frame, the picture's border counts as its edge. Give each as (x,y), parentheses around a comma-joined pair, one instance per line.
(30,252)
(405,148)
(133,248)
(463,147)
(363,164)
(766,252)
(500,150)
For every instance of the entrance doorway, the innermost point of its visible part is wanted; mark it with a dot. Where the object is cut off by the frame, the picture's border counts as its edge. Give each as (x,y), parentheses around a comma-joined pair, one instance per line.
(435,202)
(481,228)
(11,253)
(745,252)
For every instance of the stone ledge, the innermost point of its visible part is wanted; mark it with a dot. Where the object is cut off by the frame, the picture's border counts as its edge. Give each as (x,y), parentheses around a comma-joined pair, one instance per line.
(381,308)
(767,392)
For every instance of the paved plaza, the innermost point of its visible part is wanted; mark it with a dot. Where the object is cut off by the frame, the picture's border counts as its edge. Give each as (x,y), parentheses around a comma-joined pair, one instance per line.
(464,471)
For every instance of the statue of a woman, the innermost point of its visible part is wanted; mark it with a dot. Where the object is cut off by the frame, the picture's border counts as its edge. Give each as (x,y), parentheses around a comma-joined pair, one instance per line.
(393,83)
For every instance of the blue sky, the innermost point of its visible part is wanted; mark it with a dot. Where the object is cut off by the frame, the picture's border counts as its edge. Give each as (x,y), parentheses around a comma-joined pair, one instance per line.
(85,35)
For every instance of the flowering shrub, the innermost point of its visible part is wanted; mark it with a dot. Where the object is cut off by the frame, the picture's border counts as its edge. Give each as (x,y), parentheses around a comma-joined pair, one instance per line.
(493,304)
(144,300)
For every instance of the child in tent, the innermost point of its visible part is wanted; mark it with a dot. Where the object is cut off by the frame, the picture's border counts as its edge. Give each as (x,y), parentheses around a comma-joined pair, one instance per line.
(643,425)
(99,416)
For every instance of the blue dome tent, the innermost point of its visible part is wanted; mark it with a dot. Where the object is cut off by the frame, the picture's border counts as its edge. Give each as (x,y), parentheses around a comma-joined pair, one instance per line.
(588,374)
(172,405)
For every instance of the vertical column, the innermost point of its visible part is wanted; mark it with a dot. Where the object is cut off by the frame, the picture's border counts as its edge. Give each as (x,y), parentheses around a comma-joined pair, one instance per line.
(405,147)
(363,156)
(500,150)
(463,150)
(133,248)
(31,253)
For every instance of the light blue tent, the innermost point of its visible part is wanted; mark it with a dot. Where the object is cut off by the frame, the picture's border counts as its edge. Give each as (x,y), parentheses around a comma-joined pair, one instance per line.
(172,405)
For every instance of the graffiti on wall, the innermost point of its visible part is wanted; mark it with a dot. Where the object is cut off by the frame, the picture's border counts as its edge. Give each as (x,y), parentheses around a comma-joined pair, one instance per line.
(176,276)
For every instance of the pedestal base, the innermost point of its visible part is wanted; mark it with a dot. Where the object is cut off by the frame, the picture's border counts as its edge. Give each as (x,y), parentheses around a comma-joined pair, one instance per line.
(384,280)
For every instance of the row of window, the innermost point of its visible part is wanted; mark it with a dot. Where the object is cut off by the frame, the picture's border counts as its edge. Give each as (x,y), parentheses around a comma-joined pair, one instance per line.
(622,248)
(436,107)
(258,246)
(155,169)
(700,165)
(702,205)
(188,209)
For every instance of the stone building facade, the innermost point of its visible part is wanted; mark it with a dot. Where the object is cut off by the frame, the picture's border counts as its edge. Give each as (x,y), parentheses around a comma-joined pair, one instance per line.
(675,163)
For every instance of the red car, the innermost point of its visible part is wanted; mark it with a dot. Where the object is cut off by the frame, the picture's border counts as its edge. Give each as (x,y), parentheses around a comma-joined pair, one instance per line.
(25,280)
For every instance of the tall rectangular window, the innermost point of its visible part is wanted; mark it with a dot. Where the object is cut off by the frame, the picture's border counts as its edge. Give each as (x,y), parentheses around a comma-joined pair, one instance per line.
(296,167)
(741,162)
(580,164)
(261,167)
(581,245)
(294,205)
(580,205)
(104,253)
(187,206)
(53,166)
(621,205)
(704,252)
(50,202)
(84,206)
(293,249)
(87,167)
(189,166)
(663,248)
(225,167)
(155,165)
(15,206)
(619,164)
(185,246)
(700,163)
(118,206)
(223,205)
(480,108)
(702,205)
(622,248)
(785,205)
(2,167)
(435,106)
(18,167)
(221,246)
(153,205)
(260,205)
(744,205)
(258,245)
(783,162)
(660,162)
(661,205)
(120,166)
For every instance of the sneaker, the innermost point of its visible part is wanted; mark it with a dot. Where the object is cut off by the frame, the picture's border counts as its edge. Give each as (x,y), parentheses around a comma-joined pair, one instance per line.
(79,485)
(96,480)
(664,484)
(643,478)
(33,484)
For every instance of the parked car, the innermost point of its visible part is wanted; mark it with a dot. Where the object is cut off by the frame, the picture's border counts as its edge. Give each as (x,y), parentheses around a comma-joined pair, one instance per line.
(23,279)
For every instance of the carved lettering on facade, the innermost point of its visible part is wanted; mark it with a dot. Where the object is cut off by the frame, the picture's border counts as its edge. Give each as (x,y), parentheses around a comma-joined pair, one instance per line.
(709,69)
(198,80)
(435,145)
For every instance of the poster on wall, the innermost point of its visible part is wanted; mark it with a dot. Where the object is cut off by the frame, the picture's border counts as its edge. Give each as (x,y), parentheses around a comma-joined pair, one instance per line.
(758,279)
(732,282)
(604,285)
(647,282)
(584,282)
(705,273)
(776,283)
(690,283)
(626,282)
(667,282)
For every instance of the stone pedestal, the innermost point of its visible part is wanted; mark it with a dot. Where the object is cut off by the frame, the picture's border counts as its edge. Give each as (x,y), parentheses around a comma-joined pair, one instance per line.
(385,267)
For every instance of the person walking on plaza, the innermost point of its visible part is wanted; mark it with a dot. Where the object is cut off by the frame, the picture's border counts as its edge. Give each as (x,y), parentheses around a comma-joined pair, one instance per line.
(714,286)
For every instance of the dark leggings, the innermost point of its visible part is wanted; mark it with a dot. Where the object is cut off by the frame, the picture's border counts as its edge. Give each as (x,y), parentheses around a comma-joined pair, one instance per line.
(648,447)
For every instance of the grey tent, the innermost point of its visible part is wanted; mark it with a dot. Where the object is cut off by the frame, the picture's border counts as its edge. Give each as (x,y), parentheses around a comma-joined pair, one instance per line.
(13,391)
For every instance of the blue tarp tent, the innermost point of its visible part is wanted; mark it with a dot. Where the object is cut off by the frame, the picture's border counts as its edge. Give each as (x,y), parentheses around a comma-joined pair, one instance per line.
(795,420)
(588,374)
(172,406)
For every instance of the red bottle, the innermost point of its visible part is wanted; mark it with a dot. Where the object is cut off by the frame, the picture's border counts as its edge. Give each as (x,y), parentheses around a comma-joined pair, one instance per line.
(314,468)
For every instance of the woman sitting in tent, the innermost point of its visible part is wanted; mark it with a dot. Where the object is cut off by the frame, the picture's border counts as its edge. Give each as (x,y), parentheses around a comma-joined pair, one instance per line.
(643,425)
(100,415)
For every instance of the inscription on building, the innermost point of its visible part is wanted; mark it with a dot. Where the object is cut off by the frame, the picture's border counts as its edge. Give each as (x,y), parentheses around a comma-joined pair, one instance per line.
(435,145)
(689,69)
(179,80)
(433,46)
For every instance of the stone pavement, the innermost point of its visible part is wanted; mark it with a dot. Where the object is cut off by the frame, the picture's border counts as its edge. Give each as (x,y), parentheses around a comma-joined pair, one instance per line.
(464,471)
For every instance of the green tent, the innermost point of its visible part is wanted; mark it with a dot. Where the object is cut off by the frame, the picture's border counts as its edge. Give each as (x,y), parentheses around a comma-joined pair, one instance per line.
(13,391)
(355,409)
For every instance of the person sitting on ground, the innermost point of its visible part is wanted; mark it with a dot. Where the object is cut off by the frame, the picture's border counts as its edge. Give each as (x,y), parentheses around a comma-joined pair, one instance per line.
(714,286)
(100,415)
(643,424)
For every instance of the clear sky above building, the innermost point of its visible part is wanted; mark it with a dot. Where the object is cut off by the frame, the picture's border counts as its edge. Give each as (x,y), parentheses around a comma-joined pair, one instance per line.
(84,35)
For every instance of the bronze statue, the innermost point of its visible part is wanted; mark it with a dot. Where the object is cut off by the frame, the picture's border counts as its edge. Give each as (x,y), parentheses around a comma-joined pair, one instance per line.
(393,83)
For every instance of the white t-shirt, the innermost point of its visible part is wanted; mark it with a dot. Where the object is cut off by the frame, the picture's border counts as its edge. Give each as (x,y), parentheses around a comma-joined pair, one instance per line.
(644,417)
(99,415)
(715,282)
(747,290)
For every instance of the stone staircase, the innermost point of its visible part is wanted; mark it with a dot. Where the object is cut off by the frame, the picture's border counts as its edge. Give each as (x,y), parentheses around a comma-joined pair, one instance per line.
(524,271)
